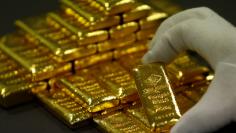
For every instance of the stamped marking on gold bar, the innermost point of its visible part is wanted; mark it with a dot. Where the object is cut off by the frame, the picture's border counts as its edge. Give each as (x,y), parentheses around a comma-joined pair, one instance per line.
(89,18)
(92,60)
(140,11)
(153,20)
(118,80)
(64,107)
(116,43)
(156,94)
(120,122)
(123,30)
(94,94)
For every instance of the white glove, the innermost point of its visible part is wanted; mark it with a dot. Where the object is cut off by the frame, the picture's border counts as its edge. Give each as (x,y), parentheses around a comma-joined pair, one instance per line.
(213,38)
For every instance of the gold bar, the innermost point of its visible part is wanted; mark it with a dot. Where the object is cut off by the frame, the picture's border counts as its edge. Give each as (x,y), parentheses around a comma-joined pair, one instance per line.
(84,36)
(15,83)
(120,122)
(136,47)
(92,60)
(146,34)
(120,81)
(64,107)
(153,20)
(140,11)
(186,69)
(123,30)
(129,62)
(184,103)
(88,18)
(113,7)
(193,95)
(54,31)
(35,58)
(116,43)
(156,95)
(95,95)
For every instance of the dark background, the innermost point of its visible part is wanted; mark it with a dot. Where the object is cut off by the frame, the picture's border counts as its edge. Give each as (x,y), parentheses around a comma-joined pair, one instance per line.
(31,117)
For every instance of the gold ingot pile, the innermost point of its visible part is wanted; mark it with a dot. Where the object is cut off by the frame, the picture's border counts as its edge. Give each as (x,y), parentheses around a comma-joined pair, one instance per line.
(78,62)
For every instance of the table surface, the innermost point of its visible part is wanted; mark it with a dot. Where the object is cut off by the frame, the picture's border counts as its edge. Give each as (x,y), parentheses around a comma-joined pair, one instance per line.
(32,117)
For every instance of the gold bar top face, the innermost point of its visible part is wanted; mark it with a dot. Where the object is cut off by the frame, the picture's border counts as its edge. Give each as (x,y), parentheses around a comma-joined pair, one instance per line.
(120,122)
(93,93)
(156,94)
(64,106)
(118,80)
(35,58)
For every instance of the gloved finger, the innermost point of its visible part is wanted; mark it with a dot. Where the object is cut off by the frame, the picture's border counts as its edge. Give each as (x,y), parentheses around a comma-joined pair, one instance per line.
(195,13)
(216,108)
(169,44)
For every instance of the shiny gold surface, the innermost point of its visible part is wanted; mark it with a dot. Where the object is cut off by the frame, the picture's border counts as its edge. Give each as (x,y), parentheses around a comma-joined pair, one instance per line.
(156,95)
(138,46)
(64,107)
(90,19)
(92,92)
(118,80)
(35,58)
(123,30)
(153,20)
(120,122)
(146,34)
(112,7)
(116,43)
(93,60)
(139,12)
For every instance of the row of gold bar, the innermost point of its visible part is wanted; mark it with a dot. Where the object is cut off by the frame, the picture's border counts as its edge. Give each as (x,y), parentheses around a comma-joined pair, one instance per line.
(85,54)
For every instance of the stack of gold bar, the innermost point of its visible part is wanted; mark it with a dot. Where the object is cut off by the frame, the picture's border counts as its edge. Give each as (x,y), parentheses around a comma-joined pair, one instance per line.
(83,62)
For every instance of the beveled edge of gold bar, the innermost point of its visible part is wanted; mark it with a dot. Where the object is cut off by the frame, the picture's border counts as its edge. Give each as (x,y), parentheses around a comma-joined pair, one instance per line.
(92,106)
(141,11)
(93,59)
(154,17)
(150,80)
(116,6)
(71,119)
(52,46)
(126,29)
(18,93)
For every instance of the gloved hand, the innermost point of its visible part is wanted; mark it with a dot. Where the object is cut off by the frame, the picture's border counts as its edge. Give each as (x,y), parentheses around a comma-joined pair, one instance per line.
(213,38)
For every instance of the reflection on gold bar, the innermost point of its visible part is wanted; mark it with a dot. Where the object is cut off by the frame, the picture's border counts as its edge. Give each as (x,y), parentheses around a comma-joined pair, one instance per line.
(184,103)
(137,13)
(84,36)
(165,5)
(136,47)
(193,95)
(201,87)
(120,82)
(116,43)
(90,19)
(156,95)
(61,38)
(64,107)
(113,7)
(95,95)
(139,113)
(15,83)
(120,122)
(92,60)
(35,58)
(153,20)
(146,34)
(129,62)
(123,30)
(185,68)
